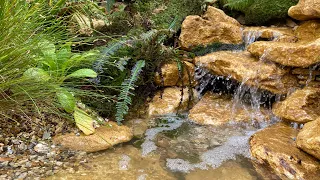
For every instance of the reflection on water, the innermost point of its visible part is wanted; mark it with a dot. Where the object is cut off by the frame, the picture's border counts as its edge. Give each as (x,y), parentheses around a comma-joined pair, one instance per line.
(180,150)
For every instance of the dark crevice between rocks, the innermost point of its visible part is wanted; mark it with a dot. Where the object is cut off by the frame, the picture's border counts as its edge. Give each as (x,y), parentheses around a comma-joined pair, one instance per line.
(203,50)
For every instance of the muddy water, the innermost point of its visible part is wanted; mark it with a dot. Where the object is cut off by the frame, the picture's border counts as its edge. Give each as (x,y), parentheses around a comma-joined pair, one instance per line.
(174,148)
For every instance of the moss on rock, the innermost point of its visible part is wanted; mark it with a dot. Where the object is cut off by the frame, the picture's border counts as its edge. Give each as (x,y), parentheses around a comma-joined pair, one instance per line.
(260,11)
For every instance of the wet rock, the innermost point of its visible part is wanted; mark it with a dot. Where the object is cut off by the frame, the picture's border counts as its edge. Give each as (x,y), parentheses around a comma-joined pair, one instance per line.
(109,165)
(280,34)
(170,75)
(214,26)
(287,54)
(104,138)
(308,138)
(241,66)
(170,100)
(301,106)
(275,146)
(214,109)
(305,10)
(308,31)
(138,126)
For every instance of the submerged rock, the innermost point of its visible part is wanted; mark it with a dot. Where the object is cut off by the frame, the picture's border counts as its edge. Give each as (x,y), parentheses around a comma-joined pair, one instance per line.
(103,138)
(308,138)
(244,68)
(170,75)
(214,109)
(276,147)
(214,26)
(170,101)
(301,106)
(288,54)
(228,171)
(305,10)
(125,163)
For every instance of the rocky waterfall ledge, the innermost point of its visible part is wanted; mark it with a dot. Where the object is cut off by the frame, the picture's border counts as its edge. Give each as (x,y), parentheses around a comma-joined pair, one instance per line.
(278,63)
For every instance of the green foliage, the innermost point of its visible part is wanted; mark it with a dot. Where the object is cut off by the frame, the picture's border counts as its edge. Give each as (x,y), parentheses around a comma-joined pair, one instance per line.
(124,98)
(39,75)
(261,11)
(162,13)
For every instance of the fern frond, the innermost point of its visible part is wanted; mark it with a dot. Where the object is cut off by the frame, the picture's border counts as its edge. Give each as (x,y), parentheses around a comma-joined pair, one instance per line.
(124,99)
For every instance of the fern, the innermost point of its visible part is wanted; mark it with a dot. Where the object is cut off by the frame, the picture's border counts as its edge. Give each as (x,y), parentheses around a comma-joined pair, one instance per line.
(124,98)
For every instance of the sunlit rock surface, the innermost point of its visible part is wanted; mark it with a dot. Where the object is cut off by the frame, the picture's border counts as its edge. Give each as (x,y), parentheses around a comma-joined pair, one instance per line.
(301,106)
(214,26)
(305,10)
(275,146)
(287,54)
(308,138)
(244,68)
(308,31)
(103,138)
(214,109)
(280,34)
(170,75)
(170,101)
(125,163)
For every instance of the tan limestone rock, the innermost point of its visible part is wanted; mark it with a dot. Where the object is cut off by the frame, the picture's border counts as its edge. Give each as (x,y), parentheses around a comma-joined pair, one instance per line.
(242,67)
(275,146)
(308,31)
(170,101)
(279,34)
(214,109)
(103,138)
(287,54)
(308,138)
(305,10)
(170,75)
(301,106)
(124,163)
(214,26)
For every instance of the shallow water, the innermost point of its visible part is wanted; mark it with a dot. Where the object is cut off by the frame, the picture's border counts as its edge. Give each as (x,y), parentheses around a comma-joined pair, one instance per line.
(174,148)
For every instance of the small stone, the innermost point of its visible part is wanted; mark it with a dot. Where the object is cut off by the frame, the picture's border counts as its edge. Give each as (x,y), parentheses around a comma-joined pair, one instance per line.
(41,148)
(59,163)
(23,175)
(28,164)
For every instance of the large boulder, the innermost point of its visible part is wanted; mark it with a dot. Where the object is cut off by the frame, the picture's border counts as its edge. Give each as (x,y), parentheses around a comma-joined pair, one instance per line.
(305,10)
(170,75)
(103,138)
(214,26)
(243,67)
(214,109)
(301,106)
(287,54)
(169,101)
(275,146)
(308,138)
